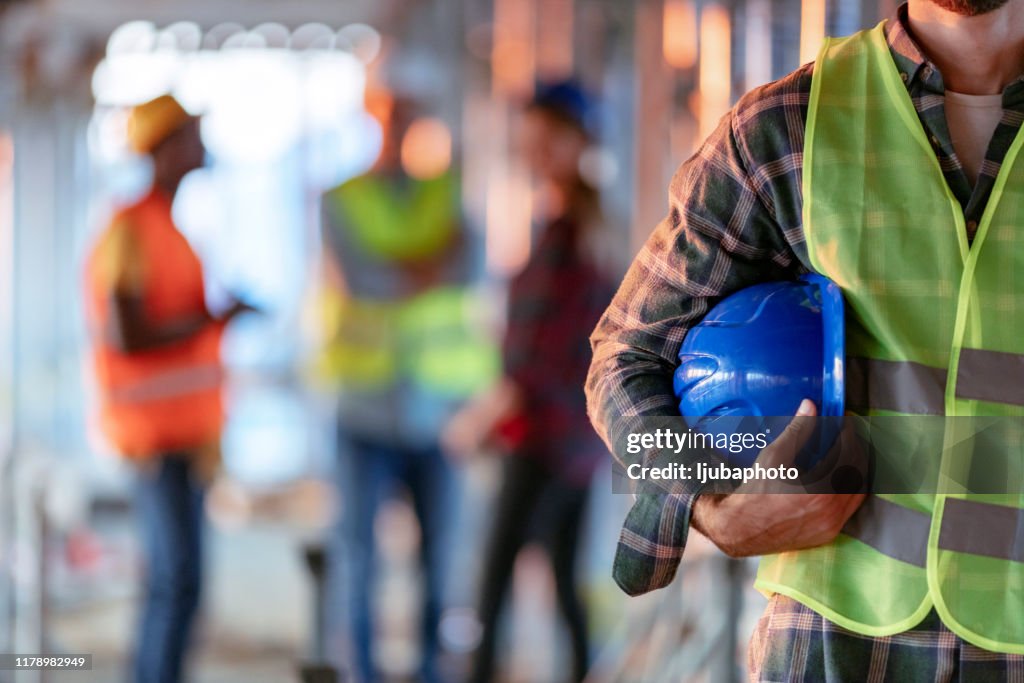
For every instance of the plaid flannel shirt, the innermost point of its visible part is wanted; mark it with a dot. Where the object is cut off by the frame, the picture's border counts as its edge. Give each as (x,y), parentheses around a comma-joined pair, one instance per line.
(735,220)
(552,303)
(794,644)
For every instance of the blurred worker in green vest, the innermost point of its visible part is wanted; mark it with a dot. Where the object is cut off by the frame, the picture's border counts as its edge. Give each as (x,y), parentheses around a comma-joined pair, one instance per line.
(402,353)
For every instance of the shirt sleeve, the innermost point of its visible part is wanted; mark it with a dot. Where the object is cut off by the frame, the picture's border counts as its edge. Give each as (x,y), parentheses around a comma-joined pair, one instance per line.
(120,266)
(719,236)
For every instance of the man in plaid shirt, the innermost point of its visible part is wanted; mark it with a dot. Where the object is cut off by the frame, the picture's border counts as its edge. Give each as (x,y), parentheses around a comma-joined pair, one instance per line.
(735,220)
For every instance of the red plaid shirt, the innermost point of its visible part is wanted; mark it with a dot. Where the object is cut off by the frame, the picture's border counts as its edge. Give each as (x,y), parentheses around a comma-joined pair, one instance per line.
(553,304)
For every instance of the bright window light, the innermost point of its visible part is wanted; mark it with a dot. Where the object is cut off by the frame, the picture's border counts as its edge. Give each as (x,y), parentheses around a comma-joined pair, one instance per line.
(135,36)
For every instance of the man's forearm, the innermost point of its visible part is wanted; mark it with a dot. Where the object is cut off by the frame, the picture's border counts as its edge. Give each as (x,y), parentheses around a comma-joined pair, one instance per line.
(131,331)
(702,511)
(627,382)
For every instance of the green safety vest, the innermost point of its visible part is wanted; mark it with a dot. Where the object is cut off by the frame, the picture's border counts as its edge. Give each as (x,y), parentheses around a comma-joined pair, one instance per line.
(432,339)
(446,351)
(934,327)
(417,224)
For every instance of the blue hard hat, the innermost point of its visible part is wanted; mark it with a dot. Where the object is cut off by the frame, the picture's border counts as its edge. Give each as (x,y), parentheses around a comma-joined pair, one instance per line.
(569,100)
(747,365)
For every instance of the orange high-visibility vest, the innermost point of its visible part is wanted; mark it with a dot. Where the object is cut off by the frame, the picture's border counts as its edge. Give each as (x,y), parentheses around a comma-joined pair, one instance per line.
(167,398)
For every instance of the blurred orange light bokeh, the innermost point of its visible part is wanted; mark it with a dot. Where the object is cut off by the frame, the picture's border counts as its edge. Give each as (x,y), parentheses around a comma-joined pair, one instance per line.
(679,37)
(426,148)
(812,28)
(715,67)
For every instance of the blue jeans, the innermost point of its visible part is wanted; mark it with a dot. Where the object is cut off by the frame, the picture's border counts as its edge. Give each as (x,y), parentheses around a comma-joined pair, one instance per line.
(170,511)
(368,473)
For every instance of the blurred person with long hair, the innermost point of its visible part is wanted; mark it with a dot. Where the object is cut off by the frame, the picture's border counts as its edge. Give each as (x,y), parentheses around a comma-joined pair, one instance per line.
(536,413)
(156,357)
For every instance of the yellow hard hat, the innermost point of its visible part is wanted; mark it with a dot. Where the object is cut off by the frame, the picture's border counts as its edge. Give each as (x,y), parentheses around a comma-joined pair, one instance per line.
(150,123)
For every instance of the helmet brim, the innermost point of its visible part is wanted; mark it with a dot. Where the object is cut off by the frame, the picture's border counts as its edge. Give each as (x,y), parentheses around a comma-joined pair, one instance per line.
(833,385)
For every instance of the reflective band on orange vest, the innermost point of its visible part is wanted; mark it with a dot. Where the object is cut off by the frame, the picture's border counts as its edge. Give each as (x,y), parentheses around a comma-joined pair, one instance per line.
(170,384)
(990,376)
(891,529)
(899,386)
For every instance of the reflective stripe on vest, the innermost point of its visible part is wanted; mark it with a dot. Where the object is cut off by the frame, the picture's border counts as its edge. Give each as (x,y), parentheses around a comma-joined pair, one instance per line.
(898,386)
(993,376)
(168,384)
(917,389)
(935,326)
(893,530)
(968,526)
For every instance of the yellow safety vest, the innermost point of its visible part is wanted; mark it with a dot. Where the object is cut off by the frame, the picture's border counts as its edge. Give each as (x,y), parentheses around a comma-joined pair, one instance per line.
(415,225)
(433,338)
(935,327)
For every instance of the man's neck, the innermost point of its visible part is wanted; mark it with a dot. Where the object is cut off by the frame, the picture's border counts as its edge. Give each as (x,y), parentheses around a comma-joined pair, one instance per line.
(977,55)
(167,185)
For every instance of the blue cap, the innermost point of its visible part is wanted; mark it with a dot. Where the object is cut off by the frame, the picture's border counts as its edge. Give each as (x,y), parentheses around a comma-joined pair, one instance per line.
(569,100)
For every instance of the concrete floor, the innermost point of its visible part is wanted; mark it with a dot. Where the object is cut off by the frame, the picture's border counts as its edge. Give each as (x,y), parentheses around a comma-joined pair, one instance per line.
(255,625)
(254,622)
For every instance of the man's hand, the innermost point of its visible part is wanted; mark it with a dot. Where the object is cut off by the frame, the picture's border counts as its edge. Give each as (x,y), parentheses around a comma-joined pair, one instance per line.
(472,427)
(754,521)
(466,432)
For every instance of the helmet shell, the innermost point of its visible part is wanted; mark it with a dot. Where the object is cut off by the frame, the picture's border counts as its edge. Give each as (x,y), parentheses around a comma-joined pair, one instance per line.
(747,365)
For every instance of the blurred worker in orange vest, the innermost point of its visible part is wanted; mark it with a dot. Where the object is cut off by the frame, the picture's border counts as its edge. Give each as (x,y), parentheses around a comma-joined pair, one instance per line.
(156,353)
